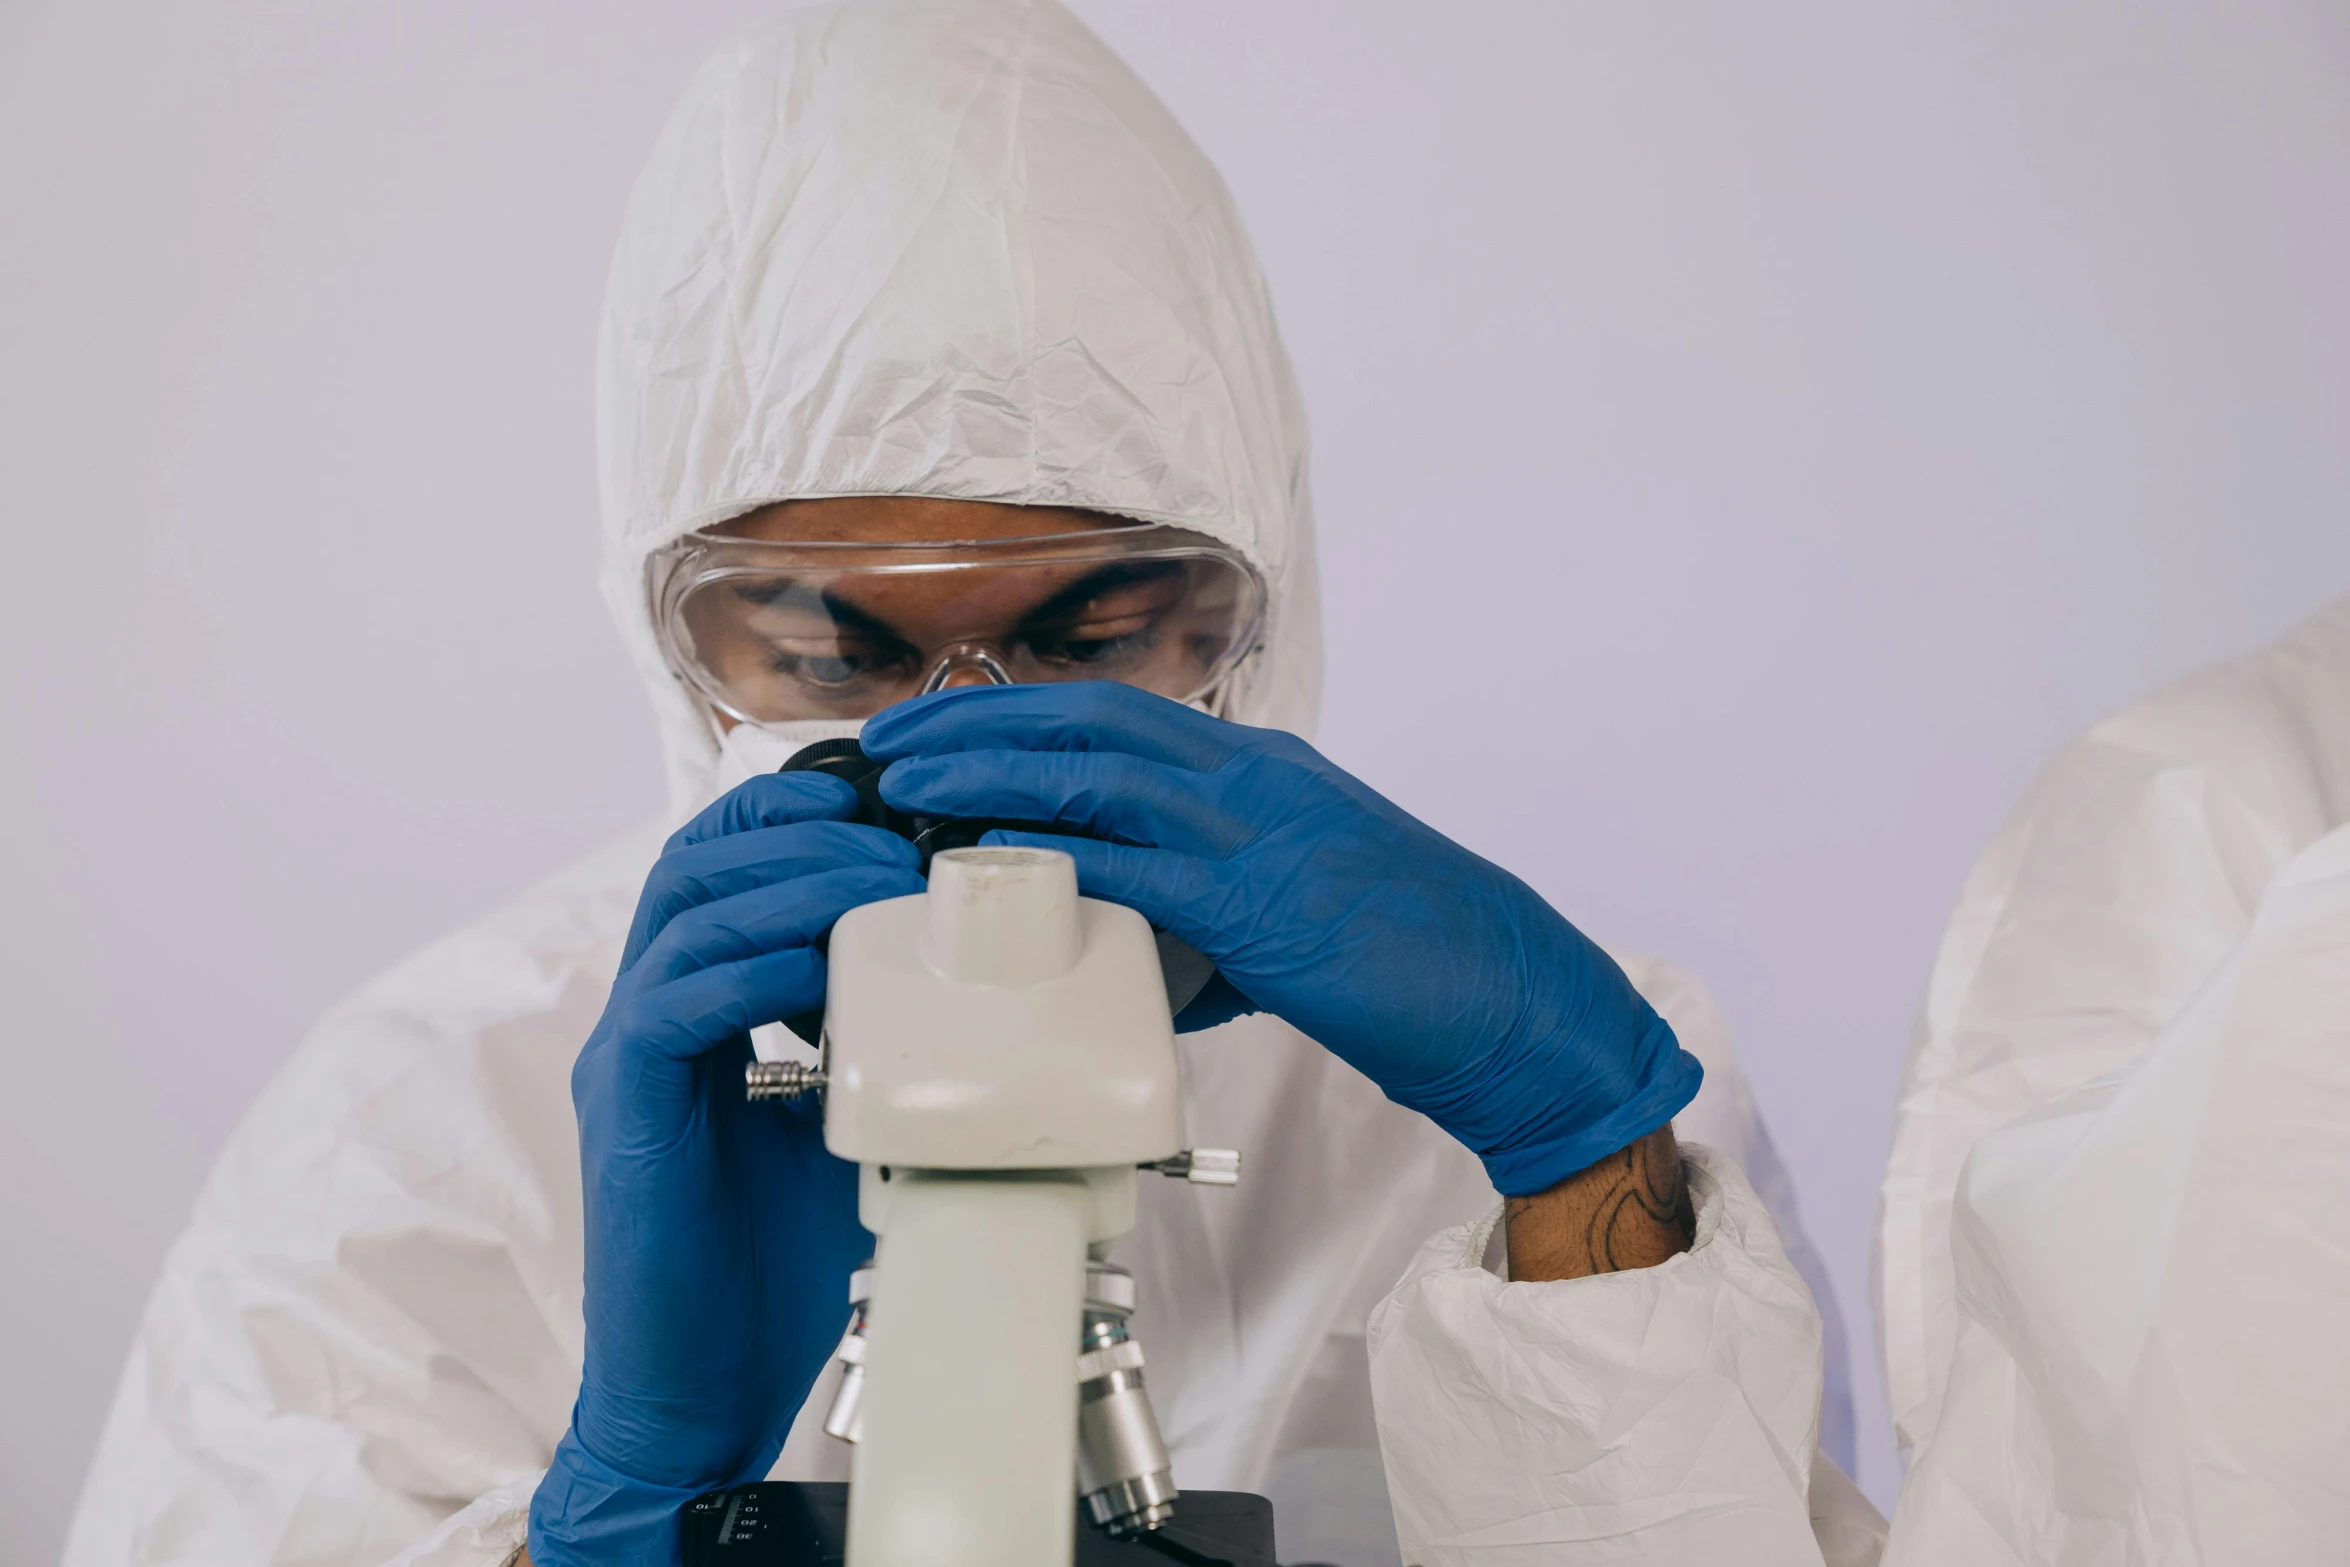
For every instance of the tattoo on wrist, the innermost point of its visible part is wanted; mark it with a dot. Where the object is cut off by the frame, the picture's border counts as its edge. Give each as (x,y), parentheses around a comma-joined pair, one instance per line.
(1630,1210)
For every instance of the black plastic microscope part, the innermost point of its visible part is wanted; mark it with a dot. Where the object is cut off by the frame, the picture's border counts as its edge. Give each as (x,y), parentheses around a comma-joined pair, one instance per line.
(1191,977)
(847,761)
(789,1523)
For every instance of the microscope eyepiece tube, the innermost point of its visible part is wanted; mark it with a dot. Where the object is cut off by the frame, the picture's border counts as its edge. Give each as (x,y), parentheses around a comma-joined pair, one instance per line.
(1123,1470)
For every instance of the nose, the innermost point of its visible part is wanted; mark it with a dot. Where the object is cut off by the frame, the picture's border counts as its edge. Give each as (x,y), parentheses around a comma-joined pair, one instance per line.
(965,664)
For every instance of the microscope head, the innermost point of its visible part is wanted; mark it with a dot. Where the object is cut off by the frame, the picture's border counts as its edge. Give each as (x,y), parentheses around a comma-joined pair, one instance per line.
(999,1022)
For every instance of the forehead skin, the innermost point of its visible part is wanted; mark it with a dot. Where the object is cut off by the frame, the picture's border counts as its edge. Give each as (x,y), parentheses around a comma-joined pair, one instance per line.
(906,519)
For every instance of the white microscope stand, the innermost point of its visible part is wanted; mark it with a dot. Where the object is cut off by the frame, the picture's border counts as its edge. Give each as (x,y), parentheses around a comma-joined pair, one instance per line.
(999,1061)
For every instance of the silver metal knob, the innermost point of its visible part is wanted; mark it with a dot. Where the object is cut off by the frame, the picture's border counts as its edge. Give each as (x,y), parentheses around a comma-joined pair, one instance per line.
(1202,1166)
(780,1080)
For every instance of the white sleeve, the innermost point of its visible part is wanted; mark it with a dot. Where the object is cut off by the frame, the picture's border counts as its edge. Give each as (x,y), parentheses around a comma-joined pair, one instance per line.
(2117,886)
(1725,1119)
(490,1533)
(373,1377)
(1665,1414)
(265,1419)
(2151,1273)
(366,1344)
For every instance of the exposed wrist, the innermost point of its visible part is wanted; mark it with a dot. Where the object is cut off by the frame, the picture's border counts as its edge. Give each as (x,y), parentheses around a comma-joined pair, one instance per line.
(1630,1210)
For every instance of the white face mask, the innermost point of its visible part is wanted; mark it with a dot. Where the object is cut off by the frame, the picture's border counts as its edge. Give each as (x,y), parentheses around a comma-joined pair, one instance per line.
(751,749)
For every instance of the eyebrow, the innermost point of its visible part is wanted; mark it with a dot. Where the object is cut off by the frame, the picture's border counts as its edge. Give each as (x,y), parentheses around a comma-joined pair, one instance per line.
(770,589)
(1075,596)
(1094,583)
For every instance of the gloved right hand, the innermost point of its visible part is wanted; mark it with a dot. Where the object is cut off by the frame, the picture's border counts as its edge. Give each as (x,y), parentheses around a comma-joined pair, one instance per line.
(720,1235)
(1436,974)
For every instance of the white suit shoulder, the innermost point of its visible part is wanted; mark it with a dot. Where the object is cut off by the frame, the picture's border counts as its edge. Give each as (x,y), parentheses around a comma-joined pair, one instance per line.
(372,1318)
(2148,1275)
(2123,878)
(2272,726)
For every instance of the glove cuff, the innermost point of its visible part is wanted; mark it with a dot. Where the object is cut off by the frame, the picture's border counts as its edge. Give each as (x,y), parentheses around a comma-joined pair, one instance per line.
(1525,1169)
(585,1513)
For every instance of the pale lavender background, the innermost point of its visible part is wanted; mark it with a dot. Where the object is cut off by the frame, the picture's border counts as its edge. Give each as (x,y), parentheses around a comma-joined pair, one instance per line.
(1749,439)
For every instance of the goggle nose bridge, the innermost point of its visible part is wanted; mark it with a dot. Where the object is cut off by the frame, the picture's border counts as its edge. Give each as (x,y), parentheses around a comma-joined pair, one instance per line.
(962,657)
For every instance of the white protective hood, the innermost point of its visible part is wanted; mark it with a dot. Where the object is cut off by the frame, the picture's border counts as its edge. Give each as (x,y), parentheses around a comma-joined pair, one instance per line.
(863,194)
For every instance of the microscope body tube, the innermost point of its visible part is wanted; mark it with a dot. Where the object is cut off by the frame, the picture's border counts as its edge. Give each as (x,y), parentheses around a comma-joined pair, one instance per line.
(1000,1063)
(1124,1474)
(969,1431)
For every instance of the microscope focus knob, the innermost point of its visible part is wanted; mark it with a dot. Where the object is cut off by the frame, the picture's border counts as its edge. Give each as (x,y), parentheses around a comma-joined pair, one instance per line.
(780,1080)
(1202,1166)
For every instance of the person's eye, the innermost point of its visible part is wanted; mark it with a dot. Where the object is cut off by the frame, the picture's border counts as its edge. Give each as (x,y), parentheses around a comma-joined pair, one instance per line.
(831,667)
(1095,642)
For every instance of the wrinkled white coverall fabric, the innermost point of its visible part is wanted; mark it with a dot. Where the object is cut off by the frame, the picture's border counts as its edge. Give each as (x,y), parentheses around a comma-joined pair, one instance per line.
(1664,1414)
(936,247)
(2114,1255)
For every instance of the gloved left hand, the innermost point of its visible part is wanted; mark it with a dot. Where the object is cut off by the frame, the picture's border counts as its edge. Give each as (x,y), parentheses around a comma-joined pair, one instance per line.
(1441,977)
(720,1234)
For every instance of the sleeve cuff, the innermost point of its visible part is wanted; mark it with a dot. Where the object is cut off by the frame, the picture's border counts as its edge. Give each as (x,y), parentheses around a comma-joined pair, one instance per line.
(488,1532)
(1662,1414)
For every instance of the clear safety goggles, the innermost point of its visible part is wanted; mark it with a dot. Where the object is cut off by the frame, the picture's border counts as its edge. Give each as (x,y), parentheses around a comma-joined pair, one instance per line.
(771,632)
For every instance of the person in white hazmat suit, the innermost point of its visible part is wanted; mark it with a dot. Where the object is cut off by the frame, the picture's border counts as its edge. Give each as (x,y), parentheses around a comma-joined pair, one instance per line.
(2114,1247)
(941,285)
(902,276)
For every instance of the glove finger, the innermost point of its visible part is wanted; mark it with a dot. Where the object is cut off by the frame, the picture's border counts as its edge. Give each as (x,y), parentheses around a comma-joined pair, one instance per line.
(769,800)
(707,1006)
(699,873)
(1175,892)
(693,1015)
(767,919)
(1090,715)
(1115,796)
(638,1093)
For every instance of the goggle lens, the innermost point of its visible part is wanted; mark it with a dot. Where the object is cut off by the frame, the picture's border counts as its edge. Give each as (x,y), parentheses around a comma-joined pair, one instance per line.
(778,632)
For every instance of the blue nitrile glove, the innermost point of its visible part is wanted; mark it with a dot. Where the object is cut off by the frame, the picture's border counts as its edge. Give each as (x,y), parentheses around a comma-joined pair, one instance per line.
(720,1234)
(1439,976)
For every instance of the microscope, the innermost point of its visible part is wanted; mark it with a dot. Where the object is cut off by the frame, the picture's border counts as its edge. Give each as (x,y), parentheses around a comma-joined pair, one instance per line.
(997,1055)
